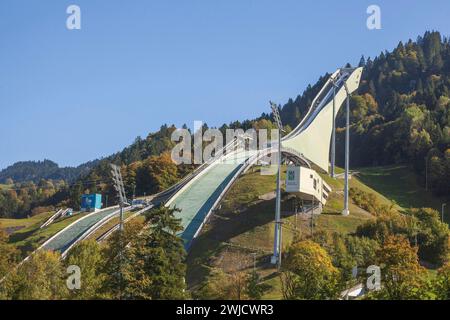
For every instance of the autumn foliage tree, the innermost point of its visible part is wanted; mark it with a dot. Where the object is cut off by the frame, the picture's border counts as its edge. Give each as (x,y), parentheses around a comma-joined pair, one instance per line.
(308,273)
(9,257)
(156,174)
(441,284)
(402,276)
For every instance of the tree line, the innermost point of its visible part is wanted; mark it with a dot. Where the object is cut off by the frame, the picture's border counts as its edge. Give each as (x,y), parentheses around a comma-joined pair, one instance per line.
(146,261)
(400,113)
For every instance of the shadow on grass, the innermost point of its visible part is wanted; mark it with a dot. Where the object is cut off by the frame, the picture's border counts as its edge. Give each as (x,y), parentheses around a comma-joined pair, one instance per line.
(26,241)
(324,213)
(20,236)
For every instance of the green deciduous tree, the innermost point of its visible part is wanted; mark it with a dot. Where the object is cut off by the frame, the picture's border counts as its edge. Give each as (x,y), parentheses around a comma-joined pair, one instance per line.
(432,235)
(255,288)
(87,255)
(441,284)
(41,277)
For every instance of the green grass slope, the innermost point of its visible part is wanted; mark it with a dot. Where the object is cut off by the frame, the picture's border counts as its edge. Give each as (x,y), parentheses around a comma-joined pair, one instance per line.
(399,184)
(15,224)
(28,235)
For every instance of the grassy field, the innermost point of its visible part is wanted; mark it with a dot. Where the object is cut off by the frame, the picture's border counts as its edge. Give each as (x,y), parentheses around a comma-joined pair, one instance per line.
(24,223)
(241,216)
(26,235)
(399,184)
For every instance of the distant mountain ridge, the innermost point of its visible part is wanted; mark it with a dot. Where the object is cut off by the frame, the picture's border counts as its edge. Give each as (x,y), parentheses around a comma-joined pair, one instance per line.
(25,171)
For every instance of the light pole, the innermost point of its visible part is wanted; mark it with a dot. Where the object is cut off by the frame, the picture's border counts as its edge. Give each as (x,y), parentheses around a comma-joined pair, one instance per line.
(118,185)
(442,211)
(346,212)
(276,258)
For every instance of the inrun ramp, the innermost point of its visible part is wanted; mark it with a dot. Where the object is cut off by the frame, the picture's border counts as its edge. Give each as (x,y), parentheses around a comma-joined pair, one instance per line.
(63,239)
(198,197)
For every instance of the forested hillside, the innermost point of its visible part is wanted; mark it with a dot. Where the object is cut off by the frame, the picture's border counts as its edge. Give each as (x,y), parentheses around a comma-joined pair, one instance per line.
(26,171)
(401,113)
(27,187)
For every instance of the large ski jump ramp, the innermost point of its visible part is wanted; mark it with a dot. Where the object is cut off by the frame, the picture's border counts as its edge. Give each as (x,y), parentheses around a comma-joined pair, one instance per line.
(310,140)
(199,194)
(67,236)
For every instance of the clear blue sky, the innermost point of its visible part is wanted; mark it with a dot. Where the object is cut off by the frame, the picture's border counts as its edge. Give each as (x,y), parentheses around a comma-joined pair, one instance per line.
(73,96)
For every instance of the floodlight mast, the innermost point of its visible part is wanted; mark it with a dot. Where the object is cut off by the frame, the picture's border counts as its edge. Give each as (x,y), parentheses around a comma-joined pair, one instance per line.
(276,258)
(118,185)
